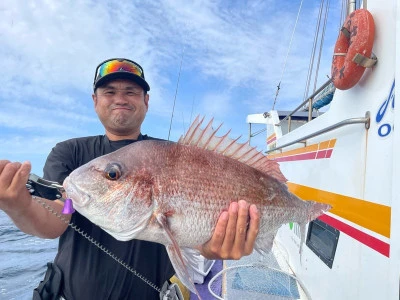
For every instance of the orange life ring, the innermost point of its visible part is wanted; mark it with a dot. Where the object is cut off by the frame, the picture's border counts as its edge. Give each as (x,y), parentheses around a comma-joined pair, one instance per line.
(356,37)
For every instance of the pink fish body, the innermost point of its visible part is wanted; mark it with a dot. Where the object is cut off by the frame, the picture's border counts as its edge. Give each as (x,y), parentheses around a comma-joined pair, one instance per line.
(173,193)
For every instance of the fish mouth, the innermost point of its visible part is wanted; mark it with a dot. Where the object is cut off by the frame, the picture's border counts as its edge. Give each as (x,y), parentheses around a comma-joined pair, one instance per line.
(78,196)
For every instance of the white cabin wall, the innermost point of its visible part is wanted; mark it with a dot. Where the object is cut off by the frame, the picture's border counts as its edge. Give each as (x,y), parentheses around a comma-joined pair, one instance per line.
(394,270)
(363,165)
(380,150)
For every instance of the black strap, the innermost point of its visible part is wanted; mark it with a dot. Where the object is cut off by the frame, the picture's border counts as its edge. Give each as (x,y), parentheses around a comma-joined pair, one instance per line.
(49,287)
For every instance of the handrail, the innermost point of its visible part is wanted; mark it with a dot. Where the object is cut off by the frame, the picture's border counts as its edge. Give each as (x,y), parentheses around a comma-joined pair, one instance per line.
(365,120)
(257,132)
(307,100)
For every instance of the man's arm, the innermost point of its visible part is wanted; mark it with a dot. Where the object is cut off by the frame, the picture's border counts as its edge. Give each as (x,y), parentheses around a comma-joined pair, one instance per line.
(27,214)
(235,233)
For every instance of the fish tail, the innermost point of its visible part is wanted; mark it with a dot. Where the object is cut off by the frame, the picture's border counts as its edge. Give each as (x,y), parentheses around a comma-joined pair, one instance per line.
(306,211)
(315,209)
(312,211)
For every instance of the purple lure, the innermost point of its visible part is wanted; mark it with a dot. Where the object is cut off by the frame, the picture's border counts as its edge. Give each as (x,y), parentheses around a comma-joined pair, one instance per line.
(68,207)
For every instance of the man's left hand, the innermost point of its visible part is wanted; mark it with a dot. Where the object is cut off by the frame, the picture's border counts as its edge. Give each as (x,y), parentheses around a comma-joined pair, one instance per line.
(235,232)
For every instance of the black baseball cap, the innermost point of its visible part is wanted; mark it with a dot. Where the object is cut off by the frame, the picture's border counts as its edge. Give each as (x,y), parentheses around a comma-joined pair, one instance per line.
(119,68)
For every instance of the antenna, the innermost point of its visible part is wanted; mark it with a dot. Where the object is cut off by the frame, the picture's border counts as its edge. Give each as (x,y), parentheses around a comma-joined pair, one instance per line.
(176,93)
(287,54)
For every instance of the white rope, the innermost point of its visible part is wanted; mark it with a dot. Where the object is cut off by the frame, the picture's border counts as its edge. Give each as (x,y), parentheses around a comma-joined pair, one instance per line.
(312,58)
(287,54)
(343,14)
(321,45)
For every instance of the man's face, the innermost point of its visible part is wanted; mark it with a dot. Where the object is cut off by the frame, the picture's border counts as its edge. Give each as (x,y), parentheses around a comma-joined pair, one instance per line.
(121,106)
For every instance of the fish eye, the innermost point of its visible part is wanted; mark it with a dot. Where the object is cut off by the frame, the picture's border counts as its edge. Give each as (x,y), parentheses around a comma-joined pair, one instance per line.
(112,171)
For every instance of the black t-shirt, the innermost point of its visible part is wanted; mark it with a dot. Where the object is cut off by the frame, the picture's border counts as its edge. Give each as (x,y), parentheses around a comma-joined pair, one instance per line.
(89,273)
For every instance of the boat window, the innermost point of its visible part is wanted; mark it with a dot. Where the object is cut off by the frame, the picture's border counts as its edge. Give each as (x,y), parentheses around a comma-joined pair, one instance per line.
(322,239)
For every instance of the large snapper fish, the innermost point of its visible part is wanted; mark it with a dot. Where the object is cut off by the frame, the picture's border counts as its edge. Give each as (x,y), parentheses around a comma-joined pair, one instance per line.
(173,193)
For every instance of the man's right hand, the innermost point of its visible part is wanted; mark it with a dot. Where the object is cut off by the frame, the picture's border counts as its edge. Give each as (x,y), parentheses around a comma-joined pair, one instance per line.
(16,201)
(14,197)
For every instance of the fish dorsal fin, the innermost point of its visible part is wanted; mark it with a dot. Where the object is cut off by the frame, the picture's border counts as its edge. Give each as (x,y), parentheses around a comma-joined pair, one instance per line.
(207,139)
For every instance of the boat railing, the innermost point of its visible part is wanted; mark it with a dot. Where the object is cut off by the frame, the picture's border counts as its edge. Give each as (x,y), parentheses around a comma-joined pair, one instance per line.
(365,120)
(308,101)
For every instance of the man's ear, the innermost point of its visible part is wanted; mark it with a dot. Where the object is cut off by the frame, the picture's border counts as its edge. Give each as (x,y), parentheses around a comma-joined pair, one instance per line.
(94,97)
(146,100)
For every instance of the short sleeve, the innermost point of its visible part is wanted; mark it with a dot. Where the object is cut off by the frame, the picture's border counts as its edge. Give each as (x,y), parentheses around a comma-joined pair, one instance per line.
(59,163)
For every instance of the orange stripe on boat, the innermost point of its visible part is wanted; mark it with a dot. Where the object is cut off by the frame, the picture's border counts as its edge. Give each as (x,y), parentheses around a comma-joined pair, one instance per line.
(271,138)
(373,216)
(315,151)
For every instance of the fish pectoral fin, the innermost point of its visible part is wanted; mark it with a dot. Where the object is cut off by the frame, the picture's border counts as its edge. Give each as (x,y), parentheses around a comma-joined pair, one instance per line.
(181,260)
(178,261)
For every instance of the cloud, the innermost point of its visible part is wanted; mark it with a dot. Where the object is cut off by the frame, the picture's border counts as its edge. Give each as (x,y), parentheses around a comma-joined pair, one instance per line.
(216,104)
(58,45)
(232,52)
(37,144)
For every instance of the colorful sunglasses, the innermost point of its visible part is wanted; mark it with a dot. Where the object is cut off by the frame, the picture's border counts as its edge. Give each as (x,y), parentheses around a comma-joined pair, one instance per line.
(117,65)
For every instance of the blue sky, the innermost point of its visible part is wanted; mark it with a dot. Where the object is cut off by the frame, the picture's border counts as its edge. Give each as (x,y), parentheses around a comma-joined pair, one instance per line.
(233,57)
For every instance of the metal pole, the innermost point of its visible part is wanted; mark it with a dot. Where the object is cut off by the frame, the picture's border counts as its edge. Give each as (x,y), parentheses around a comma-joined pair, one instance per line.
(249,133)
(365,121)
(306,101)
(310,109)
(352,6)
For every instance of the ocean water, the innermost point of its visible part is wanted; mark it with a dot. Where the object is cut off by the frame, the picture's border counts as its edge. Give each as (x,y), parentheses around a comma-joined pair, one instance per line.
(23,260)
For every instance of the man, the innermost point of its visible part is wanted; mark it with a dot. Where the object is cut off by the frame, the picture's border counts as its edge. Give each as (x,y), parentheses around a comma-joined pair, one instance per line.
(121,102)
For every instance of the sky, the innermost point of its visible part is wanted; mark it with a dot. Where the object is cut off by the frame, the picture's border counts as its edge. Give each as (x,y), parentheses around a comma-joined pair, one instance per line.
(233,55)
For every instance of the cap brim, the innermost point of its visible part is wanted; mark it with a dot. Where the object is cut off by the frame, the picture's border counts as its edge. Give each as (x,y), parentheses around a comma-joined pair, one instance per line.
(122,75)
